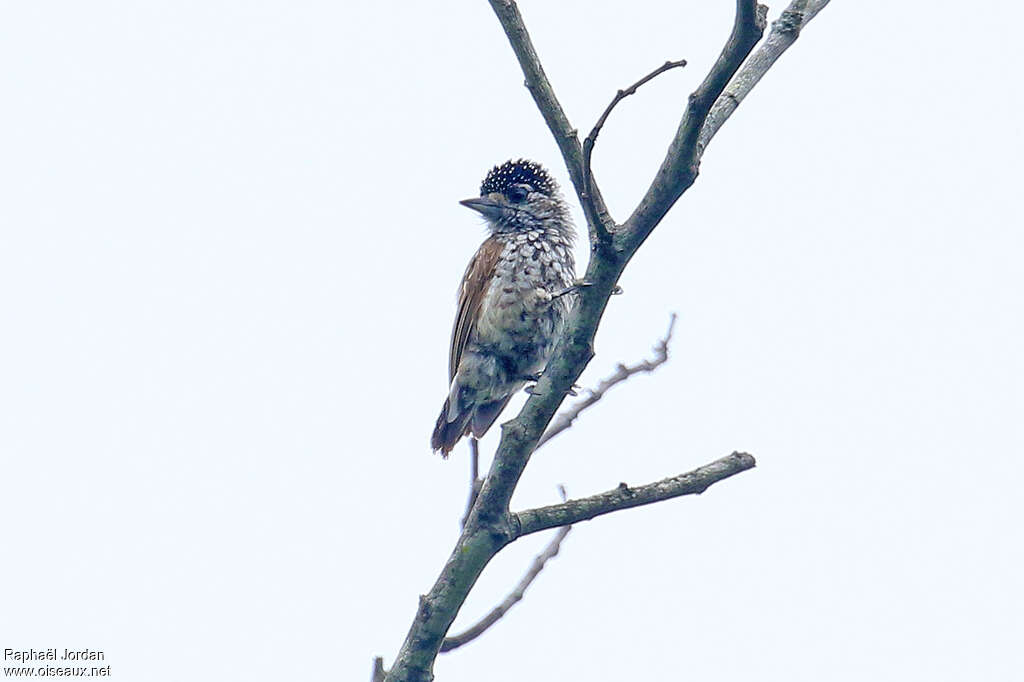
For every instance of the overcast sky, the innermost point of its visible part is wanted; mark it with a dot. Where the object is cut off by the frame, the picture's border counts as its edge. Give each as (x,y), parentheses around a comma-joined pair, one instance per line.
(229,246)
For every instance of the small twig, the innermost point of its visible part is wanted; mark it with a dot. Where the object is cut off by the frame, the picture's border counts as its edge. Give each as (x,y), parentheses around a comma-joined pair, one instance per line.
(565,419)
(378,674)
(625,497)
(475,482)
(588,143)
(455,641)
(474,458)
(481,626)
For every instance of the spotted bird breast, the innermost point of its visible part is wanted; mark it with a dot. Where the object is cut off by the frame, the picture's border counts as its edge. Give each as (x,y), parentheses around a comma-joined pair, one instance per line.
(520,316)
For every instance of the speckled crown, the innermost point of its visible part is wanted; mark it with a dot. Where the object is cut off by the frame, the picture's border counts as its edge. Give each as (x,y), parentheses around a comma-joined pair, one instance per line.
(521,172)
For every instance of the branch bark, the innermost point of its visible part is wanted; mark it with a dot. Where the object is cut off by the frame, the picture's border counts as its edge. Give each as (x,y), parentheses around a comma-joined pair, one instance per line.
(785,31)
(625,497)
(563,515)
(563,422)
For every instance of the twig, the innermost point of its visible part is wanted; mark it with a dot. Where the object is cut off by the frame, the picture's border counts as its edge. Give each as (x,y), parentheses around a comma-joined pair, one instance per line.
(625,497)
(588,143)
(481,626)
(565,419)
(468,635)
(475,482)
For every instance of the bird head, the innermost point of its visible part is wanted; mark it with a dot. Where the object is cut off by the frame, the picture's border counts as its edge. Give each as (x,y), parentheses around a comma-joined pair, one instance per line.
(520,196)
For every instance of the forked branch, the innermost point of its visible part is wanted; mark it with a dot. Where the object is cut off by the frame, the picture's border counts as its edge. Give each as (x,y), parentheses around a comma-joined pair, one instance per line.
(480,627)
(588,144)
(785,31)
(563,515)
(679,168)
(565,134)
(564,421)
(490,526)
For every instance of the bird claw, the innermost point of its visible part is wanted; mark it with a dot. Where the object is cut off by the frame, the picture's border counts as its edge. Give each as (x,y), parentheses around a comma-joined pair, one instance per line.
(532,389)
(574,288)
(581,284)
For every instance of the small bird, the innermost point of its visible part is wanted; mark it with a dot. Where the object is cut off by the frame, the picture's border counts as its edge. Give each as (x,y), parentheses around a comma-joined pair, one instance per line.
(512,303)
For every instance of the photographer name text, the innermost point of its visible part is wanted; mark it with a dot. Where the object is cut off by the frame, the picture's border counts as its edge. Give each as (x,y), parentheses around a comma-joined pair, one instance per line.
(54,654)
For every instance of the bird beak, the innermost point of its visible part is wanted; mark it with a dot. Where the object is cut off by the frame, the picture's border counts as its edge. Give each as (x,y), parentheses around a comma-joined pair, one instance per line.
(485,205)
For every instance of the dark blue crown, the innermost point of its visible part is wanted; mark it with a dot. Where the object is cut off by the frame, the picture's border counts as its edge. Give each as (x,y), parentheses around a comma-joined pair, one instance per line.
(521,172)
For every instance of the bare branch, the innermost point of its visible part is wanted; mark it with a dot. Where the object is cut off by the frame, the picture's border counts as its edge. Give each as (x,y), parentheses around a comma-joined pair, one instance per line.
(564,133)
(785,31)
(622,372)
(625,497)
(515,596)
(490,526)
(679,168)
(588,143)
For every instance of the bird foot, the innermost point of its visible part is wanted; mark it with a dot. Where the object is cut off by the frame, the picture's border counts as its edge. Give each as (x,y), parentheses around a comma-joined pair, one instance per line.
(574,288)
(580,284)
(531,389)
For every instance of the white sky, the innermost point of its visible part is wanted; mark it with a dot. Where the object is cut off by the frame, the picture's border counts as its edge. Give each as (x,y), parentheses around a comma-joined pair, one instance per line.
(229,243)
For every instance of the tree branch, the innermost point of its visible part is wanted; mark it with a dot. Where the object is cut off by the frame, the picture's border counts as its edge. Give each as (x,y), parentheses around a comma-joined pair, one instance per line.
(565,419)
(566,137)
(624,497)
(514,597)
(785,31)
(490,526)
(681,163)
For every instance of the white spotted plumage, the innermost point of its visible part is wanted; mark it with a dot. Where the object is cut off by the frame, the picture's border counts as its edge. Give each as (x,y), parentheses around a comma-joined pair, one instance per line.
(511,303)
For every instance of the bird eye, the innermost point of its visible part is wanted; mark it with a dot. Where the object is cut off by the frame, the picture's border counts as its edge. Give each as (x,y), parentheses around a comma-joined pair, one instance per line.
(517,194)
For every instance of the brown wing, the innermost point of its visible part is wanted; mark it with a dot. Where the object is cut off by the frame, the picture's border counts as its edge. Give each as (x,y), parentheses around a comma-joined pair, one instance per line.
(474,285)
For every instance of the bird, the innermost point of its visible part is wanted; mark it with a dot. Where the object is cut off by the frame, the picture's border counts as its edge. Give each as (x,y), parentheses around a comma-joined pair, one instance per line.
(512,302)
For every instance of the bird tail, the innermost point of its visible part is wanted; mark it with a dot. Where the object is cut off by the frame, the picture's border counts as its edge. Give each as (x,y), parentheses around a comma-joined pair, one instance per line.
(485,415)
(448,431)
(474,420)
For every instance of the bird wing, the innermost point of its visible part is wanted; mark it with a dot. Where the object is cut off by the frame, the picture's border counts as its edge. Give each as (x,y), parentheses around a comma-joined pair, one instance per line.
(471,295)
